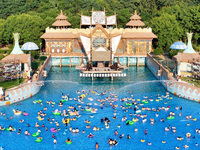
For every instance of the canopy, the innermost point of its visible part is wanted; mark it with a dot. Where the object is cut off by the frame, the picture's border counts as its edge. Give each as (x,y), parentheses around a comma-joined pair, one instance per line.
(29,46)
(178,45)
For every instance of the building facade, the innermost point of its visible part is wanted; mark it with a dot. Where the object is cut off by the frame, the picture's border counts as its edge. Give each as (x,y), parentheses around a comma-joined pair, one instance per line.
(99,36)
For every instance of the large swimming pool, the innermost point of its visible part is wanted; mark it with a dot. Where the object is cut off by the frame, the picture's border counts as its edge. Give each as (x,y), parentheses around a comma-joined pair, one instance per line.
(139,81)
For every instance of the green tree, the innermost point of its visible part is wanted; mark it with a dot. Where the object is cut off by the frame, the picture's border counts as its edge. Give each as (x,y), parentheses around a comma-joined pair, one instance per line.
(167,29)
(29,27)
(2,21)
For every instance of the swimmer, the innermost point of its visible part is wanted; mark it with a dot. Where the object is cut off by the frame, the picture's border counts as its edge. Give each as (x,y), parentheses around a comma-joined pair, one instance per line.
(26,132)
(83,131)
(96,145)
(116,132)
(136,130)
(163,141)
(36,125)
(128,136)
(186,146)
(54,141)
(145,132)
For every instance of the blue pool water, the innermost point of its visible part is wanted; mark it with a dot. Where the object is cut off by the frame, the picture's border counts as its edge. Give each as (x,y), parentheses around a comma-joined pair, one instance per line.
(139,81)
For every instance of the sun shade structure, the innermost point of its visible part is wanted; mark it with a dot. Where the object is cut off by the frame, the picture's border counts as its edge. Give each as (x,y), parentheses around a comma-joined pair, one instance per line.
(178,45)
(29,46)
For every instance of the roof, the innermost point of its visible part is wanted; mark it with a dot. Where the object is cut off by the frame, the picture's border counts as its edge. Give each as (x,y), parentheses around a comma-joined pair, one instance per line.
(139,35)
(135,23)
(61,23)
(61,16)
(60,35)
(135,16)
(187,57)
(23,58)
(98,26)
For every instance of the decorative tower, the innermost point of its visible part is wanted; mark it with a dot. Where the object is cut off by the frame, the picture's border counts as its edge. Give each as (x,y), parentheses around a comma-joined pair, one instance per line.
(61,21)
(16,49)
(135,21)
(189,48)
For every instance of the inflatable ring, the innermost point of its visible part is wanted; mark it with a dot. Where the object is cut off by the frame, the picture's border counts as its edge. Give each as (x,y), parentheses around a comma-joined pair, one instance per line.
(3,129)
(145,102)
(134,119)
(131,122)
(39,140)
(142,140)
(53,130)
(63,100)
(35,134)
(188,135)
(169,118)
(69,142)
(57,113)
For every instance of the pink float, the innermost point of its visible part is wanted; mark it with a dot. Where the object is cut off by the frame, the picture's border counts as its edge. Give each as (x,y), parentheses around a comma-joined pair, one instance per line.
(53,130)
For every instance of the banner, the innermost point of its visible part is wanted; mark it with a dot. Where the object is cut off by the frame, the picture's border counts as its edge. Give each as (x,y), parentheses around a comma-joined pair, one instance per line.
(111,20)
(98,17)
(115,42)
(85,20)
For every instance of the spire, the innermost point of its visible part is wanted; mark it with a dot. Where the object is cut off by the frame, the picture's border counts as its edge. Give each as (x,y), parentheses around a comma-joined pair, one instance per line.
(189,48)
(135,12)
(16,49)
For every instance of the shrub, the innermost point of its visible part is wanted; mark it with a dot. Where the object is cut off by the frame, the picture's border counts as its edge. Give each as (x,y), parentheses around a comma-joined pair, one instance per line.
(173,53)
(158,51)
(1,56)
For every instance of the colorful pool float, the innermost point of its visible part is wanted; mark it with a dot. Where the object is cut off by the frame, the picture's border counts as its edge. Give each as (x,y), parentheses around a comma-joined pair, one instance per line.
(53,130)
(128,104)
(38,140)
(56,113)
(69,142)
(145,102)
(36,134)
(169,118)
(37,101)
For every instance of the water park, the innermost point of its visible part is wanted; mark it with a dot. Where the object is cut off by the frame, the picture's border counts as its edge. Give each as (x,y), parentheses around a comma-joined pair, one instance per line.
(99,88)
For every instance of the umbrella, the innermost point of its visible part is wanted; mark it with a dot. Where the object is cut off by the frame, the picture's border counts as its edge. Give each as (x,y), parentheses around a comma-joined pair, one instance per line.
(178,45)
(29,46)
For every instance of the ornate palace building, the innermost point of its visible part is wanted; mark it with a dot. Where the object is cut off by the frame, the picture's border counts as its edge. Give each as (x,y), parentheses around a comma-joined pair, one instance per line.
(101,40)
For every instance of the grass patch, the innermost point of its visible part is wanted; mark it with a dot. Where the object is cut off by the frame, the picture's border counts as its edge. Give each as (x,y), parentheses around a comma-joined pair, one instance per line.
(11,83)
(194,81)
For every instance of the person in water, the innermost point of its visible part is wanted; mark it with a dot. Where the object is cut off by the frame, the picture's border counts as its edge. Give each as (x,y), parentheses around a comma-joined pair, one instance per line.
(54,141)
(96,145)
(145,132)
